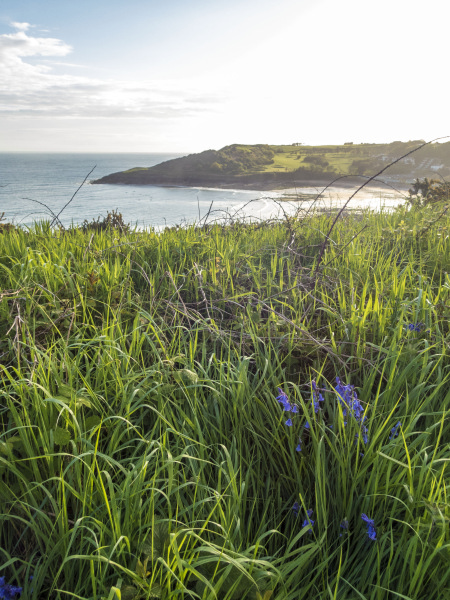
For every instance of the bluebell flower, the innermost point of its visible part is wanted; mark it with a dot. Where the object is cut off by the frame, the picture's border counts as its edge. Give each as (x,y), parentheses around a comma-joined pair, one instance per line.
(366,519)
(351,405)
(296,508)
(282,397)
(344,525)
(284,401)
(299,447)
(308,520)
(394,431)
(364,434)
(371,531)
(289,423)
(8,591)
(416,327)
(317,397)
(307,425)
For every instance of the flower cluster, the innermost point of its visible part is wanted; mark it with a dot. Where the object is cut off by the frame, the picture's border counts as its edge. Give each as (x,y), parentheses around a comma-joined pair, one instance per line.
(417,327)
(351,406)
(317,397)
(288,407)
(371,531)
(308,522)
(347,397)
(8,591)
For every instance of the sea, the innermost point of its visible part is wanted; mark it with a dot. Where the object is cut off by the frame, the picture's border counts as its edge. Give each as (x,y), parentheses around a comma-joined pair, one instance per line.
(38,186)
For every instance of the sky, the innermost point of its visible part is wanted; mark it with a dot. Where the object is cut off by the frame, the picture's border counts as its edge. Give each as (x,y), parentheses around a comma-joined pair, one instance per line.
(189,75)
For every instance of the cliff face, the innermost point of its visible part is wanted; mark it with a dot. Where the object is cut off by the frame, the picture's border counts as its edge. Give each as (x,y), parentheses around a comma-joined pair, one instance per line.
(258,181)
(270,167)
(210,166)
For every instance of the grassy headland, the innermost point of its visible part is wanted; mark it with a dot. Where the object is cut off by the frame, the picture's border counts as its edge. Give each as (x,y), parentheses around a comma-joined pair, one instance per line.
(274,167)
(143,452)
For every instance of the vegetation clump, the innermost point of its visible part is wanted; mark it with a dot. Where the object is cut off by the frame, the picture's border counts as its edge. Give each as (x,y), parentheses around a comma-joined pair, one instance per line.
(215,412)
(113,221)
(429,191)
(5,226)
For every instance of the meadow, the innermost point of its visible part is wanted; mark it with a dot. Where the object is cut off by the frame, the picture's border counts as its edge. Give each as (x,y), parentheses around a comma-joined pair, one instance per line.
(227,412)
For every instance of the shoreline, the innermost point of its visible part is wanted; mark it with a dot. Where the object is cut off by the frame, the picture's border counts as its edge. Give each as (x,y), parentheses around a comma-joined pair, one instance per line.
(290,188)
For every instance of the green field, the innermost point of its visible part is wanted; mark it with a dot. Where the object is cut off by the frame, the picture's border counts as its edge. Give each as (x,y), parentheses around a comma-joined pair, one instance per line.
(143,451)
(276,166)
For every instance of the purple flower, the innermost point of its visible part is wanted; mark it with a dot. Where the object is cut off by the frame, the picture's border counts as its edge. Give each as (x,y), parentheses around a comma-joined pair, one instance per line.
(299,447)
(371,531)
(394,431)
(289,423)
(344,525)
(352,406)
(416,327)
(296,508)
(366,519)
(282,397)
(8,591)
(284,401)
(307,425)
(308,520)
(364,431)
(317,397)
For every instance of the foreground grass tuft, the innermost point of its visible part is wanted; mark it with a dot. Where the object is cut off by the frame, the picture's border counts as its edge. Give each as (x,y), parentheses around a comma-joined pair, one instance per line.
(144,452)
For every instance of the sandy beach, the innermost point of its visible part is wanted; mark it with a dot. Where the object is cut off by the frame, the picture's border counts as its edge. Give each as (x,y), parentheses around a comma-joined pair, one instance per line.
(371,196)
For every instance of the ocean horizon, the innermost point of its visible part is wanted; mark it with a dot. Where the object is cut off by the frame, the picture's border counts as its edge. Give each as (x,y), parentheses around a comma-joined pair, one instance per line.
(35,186)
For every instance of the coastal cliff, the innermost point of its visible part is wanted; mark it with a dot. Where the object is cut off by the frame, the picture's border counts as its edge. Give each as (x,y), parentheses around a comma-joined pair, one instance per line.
(266,167)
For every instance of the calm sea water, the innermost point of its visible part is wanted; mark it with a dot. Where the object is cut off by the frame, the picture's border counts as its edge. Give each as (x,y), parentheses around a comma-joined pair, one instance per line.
(27,179)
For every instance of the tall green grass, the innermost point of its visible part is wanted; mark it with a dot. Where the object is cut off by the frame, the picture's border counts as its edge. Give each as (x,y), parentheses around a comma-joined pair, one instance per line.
(142,451)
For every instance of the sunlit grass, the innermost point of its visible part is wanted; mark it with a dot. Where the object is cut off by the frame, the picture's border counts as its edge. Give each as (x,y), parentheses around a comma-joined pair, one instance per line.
(143,453)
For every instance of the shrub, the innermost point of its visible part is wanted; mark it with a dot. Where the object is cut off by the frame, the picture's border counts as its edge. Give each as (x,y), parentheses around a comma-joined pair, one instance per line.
(5,226)
(429,191)
(113,220)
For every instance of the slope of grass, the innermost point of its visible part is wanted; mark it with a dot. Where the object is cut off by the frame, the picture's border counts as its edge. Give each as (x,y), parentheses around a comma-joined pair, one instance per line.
(278,166)
(143,452)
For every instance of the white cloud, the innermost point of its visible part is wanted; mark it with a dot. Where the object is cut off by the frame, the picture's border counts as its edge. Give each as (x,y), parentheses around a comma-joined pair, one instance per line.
(30,89)
(21,26)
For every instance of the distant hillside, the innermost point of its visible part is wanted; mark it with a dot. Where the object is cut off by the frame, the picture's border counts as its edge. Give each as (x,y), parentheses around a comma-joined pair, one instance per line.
(262,166)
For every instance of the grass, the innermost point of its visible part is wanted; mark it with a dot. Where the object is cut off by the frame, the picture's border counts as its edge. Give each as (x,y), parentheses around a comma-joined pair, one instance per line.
(143,453)
(340,158)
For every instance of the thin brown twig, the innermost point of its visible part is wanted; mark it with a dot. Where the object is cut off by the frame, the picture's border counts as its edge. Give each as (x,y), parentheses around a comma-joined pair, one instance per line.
(75,193)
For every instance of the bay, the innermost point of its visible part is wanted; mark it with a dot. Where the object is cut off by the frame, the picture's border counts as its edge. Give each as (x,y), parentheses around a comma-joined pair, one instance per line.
(30,180)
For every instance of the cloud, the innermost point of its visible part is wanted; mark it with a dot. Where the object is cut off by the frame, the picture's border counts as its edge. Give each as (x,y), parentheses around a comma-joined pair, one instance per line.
(21,26)
(30,89)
